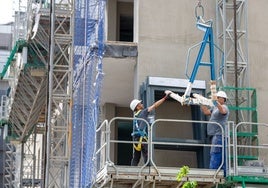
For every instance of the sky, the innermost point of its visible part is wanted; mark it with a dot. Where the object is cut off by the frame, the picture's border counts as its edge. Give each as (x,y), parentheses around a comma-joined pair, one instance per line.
(6,10)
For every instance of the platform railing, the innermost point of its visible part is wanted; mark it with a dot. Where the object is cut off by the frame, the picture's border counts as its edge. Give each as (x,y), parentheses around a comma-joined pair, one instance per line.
(100,155)
(155,124)
(106,139)
(110,141)
(250,148)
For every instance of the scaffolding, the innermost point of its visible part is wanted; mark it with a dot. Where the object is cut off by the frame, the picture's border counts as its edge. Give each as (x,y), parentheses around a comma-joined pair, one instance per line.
(43,92)
(231,33)
(58,84)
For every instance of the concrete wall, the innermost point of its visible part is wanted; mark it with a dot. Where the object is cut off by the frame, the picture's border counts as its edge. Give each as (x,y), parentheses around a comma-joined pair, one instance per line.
(167,29)
(258,58)
(165,32)
(112,19)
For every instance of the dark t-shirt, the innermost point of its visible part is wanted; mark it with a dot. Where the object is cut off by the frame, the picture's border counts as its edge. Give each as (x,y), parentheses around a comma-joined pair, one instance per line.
(139,125)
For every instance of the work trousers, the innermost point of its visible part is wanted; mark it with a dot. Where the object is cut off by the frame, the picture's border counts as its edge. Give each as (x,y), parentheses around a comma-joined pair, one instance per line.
(216,153)
(137,154)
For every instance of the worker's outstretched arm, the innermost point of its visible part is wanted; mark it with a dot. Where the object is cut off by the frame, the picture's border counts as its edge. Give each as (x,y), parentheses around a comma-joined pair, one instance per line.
(158,103)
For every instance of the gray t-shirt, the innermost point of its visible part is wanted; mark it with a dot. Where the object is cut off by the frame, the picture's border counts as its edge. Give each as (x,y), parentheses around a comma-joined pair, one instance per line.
(216,116)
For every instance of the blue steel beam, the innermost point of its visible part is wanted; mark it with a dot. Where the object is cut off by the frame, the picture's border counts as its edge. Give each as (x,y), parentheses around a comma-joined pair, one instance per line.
(207,39)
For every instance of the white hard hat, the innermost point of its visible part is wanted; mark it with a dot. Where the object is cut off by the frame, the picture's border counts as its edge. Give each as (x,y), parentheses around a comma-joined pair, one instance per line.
(134,103)
(222,94)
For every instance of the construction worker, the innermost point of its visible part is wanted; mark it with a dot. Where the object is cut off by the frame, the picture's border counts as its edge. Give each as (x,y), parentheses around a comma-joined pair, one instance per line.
(219,113)
(140,128)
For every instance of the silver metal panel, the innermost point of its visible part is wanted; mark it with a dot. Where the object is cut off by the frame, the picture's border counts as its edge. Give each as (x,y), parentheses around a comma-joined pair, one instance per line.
(175,82)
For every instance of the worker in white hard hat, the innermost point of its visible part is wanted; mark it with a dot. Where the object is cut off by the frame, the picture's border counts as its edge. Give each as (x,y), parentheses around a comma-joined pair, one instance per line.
(140,128)
(219,113)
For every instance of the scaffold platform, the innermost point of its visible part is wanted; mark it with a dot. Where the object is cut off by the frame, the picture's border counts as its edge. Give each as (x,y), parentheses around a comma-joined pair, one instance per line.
(150,176)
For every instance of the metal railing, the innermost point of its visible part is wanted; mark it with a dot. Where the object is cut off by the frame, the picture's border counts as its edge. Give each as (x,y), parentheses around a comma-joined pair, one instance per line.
(249,149)
(105,139)
(244,149)
(201,145)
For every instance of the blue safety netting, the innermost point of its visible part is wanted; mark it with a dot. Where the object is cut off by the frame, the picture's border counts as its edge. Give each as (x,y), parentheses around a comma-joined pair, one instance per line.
(88,75)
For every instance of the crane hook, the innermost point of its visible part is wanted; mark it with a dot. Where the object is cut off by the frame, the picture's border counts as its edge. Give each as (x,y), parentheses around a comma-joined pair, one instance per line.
(199,10)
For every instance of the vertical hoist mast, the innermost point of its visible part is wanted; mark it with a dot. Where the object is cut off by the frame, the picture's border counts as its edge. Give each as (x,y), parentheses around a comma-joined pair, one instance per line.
(59,94)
